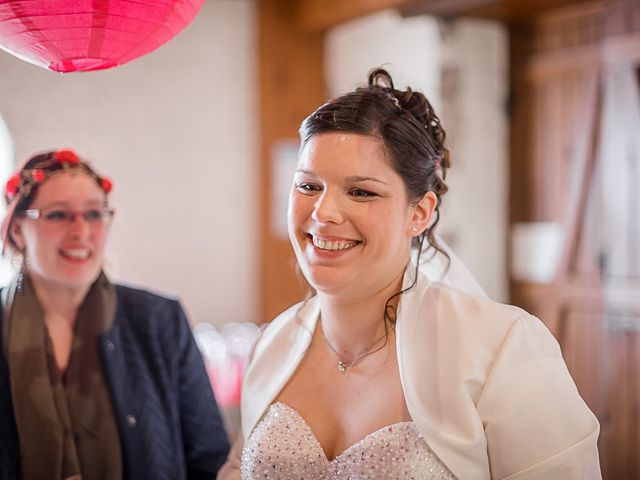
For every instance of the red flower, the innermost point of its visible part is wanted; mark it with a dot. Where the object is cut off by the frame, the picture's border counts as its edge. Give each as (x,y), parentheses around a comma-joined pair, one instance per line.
(38,175)
(12,185)
(106,184)
(66,156)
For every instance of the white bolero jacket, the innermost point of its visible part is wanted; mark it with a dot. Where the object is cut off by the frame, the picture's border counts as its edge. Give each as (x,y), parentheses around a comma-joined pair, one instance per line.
(484,382)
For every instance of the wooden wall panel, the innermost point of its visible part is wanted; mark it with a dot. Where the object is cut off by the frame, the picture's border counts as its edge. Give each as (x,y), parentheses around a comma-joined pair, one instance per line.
(291,86)
(599,360)
(557,61)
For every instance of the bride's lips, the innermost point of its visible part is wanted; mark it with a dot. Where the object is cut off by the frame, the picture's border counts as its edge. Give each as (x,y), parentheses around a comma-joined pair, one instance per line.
(331,246)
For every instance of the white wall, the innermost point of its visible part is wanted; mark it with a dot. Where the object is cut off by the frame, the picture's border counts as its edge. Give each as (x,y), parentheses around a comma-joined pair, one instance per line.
(409,48)
(176,130)
(417,51)
(475,213)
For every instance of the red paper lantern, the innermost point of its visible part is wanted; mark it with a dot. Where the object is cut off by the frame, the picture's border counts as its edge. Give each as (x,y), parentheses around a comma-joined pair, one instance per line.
(83,35)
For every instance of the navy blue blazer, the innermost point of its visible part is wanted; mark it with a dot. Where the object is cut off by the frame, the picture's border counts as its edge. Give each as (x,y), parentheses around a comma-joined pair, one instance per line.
(169,423)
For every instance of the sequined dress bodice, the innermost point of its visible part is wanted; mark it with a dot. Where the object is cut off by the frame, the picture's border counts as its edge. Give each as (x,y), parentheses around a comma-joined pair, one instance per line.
(282,446)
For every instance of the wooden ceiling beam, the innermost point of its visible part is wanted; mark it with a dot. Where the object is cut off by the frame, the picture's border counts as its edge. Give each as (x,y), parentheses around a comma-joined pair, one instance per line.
(320,15)
(508,11)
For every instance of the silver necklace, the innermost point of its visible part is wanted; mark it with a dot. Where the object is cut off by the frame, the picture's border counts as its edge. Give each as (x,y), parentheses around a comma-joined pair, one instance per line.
(343,366)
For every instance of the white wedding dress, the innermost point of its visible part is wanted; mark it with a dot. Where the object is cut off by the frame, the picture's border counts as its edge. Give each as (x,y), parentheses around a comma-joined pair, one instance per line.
(282,446)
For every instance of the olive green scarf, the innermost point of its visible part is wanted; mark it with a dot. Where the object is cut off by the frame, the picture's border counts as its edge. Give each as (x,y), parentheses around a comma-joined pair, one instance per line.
(66,426)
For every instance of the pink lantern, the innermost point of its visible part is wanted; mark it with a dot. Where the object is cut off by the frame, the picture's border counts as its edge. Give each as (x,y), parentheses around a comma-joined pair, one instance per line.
(83,35)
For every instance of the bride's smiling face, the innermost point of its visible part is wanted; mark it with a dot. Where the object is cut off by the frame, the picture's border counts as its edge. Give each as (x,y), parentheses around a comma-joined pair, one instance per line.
(350,219)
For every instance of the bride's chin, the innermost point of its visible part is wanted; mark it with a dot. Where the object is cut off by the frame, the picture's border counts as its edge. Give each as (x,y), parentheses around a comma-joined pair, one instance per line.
(328,285)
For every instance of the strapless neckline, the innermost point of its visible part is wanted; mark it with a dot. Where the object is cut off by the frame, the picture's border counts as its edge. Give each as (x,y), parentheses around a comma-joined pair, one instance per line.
(368,437)
(282,446)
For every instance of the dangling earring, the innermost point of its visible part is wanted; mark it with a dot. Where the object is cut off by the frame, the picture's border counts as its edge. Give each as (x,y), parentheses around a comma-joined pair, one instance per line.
(20,280)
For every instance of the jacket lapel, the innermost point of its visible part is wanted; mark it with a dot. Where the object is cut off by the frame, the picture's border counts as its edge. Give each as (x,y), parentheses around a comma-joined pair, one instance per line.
(112,352)
(437,400)
(283,344)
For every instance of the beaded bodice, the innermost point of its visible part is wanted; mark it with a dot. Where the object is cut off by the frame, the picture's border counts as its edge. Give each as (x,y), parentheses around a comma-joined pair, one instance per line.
(282,446)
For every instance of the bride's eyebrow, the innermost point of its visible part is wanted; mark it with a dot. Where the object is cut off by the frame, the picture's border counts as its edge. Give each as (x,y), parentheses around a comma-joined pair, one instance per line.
(350,179)
(307,172)
(358,178)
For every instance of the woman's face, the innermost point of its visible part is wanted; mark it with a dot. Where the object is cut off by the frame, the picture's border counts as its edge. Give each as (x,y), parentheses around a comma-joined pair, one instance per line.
(60,253)
(350,220)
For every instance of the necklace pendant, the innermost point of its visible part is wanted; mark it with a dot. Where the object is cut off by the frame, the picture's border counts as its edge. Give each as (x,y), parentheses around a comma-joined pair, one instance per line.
(342,367)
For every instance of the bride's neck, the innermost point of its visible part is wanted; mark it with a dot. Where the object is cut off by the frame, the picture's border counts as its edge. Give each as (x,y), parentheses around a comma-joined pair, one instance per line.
(353,324)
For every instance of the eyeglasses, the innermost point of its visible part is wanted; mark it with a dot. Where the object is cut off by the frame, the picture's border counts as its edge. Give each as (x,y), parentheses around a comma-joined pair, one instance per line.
(61,216)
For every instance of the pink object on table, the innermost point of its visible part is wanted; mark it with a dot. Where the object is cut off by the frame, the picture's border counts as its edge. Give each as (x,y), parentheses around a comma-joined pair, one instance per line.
(83,35)
(226,381)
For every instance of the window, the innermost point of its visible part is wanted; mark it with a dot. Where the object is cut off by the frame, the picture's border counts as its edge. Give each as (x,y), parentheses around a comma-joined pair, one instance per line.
(6,168)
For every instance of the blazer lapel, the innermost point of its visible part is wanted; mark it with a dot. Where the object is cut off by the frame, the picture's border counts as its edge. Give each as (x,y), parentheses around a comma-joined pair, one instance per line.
(437,402)
(283,344)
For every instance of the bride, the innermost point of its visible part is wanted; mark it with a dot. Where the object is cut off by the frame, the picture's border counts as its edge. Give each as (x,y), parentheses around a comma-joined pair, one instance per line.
(381,373)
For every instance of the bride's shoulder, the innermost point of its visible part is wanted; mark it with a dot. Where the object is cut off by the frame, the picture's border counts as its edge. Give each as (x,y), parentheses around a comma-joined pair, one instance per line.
(454,310)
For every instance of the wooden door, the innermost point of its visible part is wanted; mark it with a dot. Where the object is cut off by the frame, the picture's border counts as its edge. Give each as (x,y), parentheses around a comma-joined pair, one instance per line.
(560,65)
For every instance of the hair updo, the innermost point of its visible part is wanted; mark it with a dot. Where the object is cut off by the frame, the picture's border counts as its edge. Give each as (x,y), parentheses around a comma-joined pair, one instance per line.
(407,125)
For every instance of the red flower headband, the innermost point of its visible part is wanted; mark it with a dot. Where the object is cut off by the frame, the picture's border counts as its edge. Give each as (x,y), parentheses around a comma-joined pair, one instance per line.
(24,180)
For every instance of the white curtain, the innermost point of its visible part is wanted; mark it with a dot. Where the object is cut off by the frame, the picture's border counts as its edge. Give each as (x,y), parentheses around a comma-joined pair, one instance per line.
(619,170)
(618,179)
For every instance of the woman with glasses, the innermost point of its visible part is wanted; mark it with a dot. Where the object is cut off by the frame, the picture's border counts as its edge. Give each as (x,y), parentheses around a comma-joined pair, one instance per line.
(97,380)
(382,373)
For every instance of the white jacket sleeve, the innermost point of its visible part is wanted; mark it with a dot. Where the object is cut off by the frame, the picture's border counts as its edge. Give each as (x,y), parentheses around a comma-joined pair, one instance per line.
(231,469)
(536,424)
